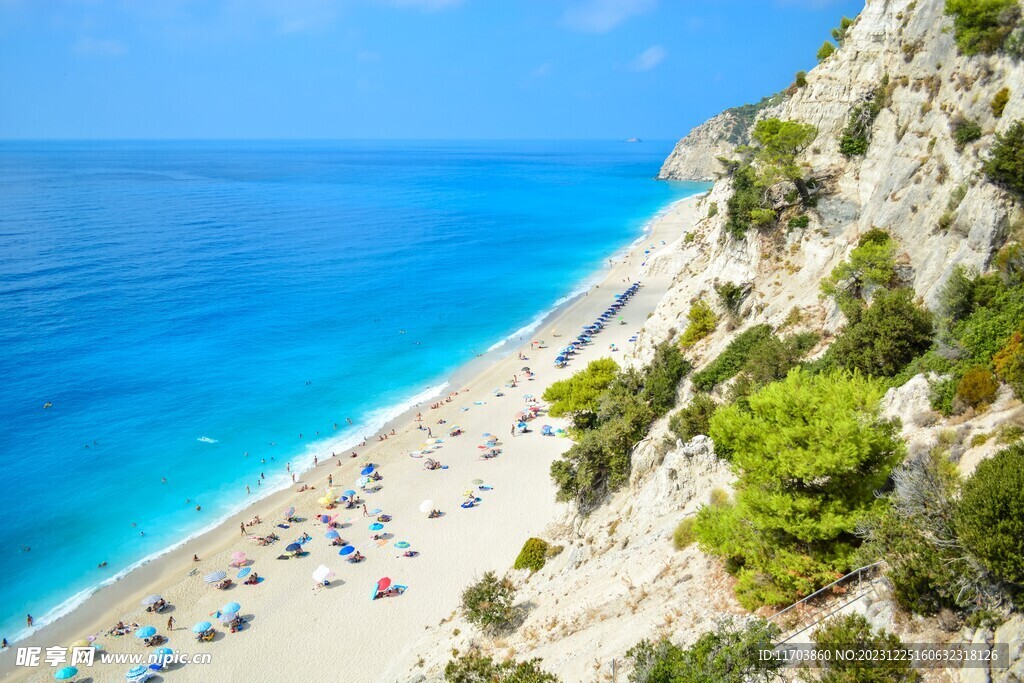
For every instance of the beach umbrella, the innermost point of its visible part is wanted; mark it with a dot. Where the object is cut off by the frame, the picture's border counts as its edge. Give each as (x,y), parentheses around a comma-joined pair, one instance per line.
(426,506)
(136,672)
(66,673)
(478,481)
(347,550)
(201,626)
(363,481)
(487,434)
(325,518)
(82,642)
(293,547)
(367,470)
(289,511)
(164,653)
(326,500)
(322,573)
(151,599)
(402,544)
(238,556)
(231,607)
(228,617)
(145,632)
(215,577)
(350,493)
(376,526)
(383,583)
(521,425)
(332,534)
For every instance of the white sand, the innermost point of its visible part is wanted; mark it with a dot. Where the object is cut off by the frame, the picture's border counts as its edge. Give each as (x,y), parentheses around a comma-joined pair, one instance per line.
(299,632)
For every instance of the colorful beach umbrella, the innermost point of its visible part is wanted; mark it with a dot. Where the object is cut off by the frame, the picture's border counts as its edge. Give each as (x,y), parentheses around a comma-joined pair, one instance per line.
(66,673)
(376,526)
(325,518)
(151,600)
(201,626)
(402,544)
(367,470)
(215,577)
(478,481)
(163,652)
(362,482)
(347,550)
(350,493)
(238,556)
(145,632)
(231,607)
(293,547)
(332,534)
(383,583)
(228,617)
(289,511)
(322,573)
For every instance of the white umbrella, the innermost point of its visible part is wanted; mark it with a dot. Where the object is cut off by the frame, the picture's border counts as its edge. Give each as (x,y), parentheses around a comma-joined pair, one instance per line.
(426,506)
(322,573)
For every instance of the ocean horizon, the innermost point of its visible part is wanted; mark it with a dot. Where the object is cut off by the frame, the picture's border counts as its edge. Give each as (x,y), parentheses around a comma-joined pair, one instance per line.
(184,318)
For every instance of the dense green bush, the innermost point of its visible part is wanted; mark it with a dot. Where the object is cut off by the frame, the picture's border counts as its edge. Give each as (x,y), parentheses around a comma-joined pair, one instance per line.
(1009,364)
(853,632)
(982,26)
(800,80)
(825,51)
(474,667)
(839,33)
(999,102)
(731,360)
(810,453)
(747,195)
(488,603)
(729,654)
(533,555)
(1005,165)
(956,298)
(977,388)
(881,339)
(964,131)
(990,514)
(577,396)
(702,322)
(872,263)
(694,418)
(713,210)
(730,295)
(599,461)
(771,359)
(801,221)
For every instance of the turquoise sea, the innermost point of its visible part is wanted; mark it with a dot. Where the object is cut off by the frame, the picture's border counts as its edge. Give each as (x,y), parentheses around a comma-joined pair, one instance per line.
(179,305)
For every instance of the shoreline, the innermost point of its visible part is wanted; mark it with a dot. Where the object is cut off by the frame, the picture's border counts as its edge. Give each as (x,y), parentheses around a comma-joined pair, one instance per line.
(120,595)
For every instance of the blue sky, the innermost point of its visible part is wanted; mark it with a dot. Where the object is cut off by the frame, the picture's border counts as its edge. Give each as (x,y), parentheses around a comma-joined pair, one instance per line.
(395,68)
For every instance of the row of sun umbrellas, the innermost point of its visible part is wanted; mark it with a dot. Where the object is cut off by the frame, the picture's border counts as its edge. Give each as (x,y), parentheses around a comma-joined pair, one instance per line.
(589,330)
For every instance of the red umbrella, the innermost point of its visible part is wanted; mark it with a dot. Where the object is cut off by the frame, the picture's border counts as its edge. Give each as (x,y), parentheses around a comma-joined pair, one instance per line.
(382,585)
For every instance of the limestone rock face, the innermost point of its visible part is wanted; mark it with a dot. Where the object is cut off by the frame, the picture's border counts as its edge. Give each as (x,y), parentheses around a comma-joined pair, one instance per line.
(695,157)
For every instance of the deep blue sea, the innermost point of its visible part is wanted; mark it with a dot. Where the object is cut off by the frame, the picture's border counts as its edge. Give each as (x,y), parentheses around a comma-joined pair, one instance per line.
(181,304)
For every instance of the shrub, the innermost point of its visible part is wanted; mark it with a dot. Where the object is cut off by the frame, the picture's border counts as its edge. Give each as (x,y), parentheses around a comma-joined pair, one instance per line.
(1009,364)
(999,102)
(488,603)
(713,209)
(729,654)
(684,534)
(662,377)
(977,388)
(578,395)
(801,79)
(872,263)
(746,198)
(801,221)
(693,418)
(825,51)
(1009,263)
(853,632)
(730,295)
(533,555)
(856,136)
(956,298)
(964,131)
(882,338)
(474,667)
(990,514)
(839,33)
(702,322)
(731,360)
(805,482)
(982,26)
(1005,165)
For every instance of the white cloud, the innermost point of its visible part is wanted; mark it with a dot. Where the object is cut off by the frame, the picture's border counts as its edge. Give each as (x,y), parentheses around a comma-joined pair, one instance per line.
(99,48)
(649,58)
(601,16)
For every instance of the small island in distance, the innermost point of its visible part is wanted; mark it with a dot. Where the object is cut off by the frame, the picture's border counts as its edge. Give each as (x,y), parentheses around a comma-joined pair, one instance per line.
(634,140)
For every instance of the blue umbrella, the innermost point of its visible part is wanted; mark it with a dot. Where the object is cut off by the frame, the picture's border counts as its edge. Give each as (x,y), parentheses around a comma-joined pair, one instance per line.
(201,626)
(402,544)
(325,518)
(376,526)
(145,632)
(293,547)
(214,577)
(347,550)
(367,470)
(349,493)
(231,607)
(66,673)
(332,534)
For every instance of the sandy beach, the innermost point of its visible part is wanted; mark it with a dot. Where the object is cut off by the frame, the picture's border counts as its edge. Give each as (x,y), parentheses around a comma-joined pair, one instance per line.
(298,630)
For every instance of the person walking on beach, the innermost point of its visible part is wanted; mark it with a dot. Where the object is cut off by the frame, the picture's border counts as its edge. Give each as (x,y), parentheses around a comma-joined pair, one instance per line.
(330,480)
(242,527)
(170,623)
(316,460)
(513,429)
(365,512)
(29,620)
